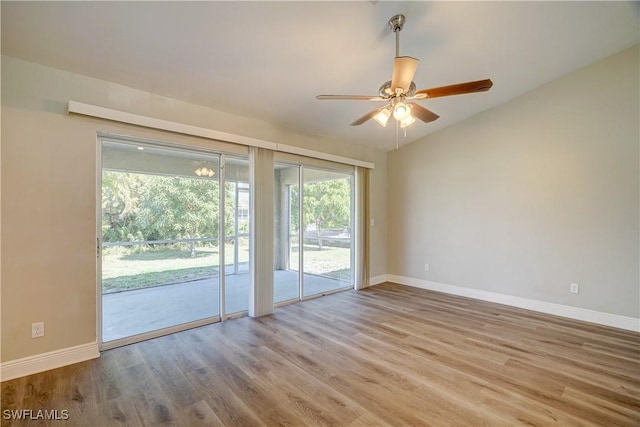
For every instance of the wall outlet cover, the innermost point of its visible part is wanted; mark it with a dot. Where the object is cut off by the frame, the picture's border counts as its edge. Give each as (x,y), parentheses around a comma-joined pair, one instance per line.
(37,330)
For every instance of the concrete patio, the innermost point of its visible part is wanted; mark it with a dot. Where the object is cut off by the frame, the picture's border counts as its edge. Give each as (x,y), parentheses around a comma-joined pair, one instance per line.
(138,311)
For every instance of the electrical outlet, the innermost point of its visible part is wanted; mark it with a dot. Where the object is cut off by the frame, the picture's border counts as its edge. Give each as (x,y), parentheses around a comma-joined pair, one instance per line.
(37,330)
(574,288)
(426,267)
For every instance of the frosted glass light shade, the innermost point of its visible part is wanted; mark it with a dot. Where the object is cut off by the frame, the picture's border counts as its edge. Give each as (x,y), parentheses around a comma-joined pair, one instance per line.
(401,111)
(407,121)
(382,117)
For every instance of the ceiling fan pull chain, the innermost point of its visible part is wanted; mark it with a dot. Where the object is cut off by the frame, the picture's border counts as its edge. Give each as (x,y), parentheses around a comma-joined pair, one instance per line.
(397,131)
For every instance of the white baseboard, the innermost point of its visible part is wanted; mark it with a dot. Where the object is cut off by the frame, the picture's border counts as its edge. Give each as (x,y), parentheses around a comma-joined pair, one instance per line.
(601,318)
(376,280)
(46,361)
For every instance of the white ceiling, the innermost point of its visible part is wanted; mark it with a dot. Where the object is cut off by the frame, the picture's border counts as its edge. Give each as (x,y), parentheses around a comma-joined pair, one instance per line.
(268,60)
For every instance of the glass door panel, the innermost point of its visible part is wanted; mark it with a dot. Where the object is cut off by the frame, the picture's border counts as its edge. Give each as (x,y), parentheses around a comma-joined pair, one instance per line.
(236,235)
(160,238)
(287,219)
(327,250)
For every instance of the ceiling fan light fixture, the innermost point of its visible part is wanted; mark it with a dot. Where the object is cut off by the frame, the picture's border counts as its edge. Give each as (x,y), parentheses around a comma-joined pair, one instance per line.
(382,116)
(401,111)
(407,121)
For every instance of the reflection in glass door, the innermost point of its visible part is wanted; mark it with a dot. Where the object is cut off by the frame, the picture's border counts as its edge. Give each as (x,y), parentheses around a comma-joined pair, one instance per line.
(160,239)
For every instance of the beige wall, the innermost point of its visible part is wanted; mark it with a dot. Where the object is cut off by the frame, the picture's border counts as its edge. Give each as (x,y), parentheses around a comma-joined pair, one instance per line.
(49,194)
(528,197)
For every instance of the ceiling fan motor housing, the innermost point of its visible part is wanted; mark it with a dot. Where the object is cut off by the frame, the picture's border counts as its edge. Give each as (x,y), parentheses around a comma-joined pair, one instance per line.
(386,92)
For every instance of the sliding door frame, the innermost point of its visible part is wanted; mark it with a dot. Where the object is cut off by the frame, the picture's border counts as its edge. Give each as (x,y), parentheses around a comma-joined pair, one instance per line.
(299,297)
(222,239)
(352,224)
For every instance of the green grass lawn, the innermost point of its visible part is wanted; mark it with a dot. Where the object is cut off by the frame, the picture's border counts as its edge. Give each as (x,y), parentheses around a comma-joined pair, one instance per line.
(156,278)
(123,269)
(329,262)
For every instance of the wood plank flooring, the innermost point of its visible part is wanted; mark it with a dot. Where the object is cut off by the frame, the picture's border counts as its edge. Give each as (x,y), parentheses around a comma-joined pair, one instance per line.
(387,356)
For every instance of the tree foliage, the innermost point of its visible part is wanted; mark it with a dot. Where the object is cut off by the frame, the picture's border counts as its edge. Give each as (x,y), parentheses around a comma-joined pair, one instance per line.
(327,204)
(120,199)
(178,208)
(138,207)
(148,207)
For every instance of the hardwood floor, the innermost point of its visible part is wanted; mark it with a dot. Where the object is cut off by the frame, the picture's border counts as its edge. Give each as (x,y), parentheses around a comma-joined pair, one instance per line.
(389,355)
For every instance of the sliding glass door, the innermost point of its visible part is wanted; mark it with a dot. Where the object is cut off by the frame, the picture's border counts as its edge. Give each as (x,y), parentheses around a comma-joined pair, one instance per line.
(313,239)
(174,236)
(328,243)
(174,239)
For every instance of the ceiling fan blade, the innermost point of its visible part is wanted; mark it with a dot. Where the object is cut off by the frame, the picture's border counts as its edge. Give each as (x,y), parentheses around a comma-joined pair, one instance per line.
(352,97)
(404,68)
(364,118)
(422,113)
(457,89)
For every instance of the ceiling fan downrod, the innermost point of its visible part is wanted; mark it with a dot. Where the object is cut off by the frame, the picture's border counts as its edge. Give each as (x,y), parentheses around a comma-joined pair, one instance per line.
(396,23)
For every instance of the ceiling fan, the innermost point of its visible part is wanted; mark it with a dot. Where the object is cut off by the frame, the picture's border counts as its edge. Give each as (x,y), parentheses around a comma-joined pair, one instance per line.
(401,89)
